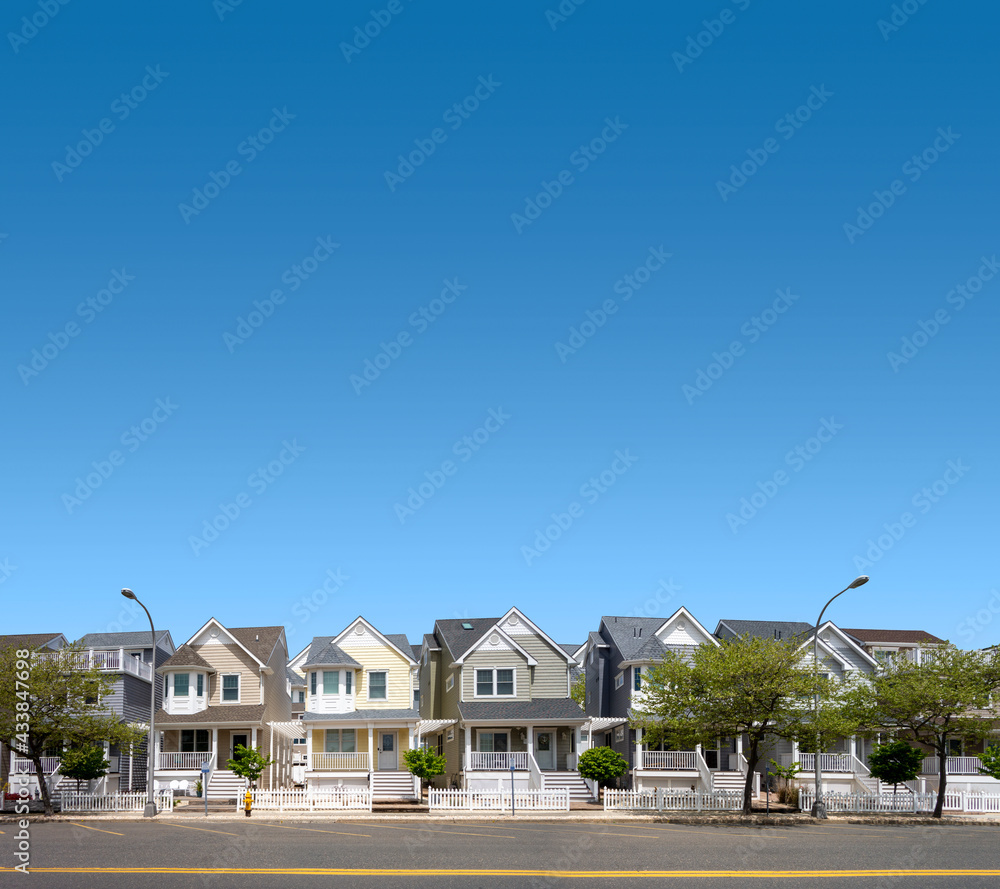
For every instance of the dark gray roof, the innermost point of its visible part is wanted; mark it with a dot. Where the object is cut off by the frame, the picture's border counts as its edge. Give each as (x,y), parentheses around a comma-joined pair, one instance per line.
(401,642)
(630,634)
(120,640)
(770,629)
(294,677)
(231,713)
(363,715)
(569,648)
(597,639)
(323,653)
(430,641)
(652,650)
(186,656)
(458,639)
(416,652)
(532,711)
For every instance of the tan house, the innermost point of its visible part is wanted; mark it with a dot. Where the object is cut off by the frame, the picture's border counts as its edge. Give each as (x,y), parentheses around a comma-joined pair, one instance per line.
(222,688)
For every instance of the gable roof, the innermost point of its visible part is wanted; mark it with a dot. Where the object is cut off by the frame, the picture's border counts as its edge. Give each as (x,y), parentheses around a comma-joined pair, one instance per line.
(545,637)
(459,640)
(630,634)
(398,641)
(33,641)
(497,630)
(186,656)
(259,641)
(912,637)
(416,651)
(134,639)
(763,629)
(324,652)
(294,678)
(431,642)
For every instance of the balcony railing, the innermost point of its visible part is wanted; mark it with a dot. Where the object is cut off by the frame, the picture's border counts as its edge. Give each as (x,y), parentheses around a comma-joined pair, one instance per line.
(112,661)
(670,760)
(186,762)
(19,765)
(498,762)
(828,762)
(956,765)
(335,762)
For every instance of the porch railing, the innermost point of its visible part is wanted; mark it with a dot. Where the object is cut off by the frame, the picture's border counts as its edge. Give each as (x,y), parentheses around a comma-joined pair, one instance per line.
(19,765)
(828,762)
(498,762)
(956,765)
(187,762)
(110,661)
(331,762)
(670,760)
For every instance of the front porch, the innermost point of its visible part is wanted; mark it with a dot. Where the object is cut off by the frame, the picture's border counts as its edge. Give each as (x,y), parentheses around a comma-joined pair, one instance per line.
(722,768)
(364,754)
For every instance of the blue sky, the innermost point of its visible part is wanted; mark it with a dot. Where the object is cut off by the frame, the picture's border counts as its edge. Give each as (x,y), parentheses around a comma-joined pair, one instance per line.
(766,210)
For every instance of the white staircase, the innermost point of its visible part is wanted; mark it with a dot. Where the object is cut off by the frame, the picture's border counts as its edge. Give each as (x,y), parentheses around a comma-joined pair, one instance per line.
(728,781)
(873,785)
(579,792)
(226,785)
(392,785)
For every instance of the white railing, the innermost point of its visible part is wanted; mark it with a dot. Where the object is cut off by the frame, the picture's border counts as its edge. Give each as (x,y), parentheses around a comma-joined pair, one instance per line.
(666,800)
(536,778)
(20,765)
(359,798)
(859,767)
(956,765)
(112,661)
(743,765)
(499,801)
(954,801)
(498,762)
(186,762)
(71,801)
(330,762)
(828,762)
(704,773)
(670,760)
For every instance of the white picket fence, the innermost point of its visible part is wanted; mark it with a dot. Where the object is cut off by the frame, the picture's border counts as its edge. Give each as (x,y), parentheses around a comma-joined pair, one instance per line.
(954,801)
(499,801)
(135,801)
(665,800)
(358,798)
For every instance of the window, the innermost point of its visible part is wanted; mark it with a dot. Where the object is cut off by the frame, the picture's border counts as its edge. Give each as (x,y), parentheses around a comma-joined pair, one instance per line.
(416,699)
(194,740)
(348,681)
(495,683)
(301,741)
(166,686)
(339,740)
(312,683)
(638,677)
(449,684)
(201,685)
(954,747)
(302,697)
(484,682)
(181,685)
(440,745)
(376,686)
(620,733)
(331,682)
(451,734)
(619,680)
(492,742)
(231,687)
(505,682)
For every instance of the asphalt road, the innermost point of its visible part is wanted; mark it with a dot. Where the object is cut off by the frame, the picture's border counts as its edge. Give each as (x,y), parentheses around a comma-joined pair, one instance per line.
(502,853)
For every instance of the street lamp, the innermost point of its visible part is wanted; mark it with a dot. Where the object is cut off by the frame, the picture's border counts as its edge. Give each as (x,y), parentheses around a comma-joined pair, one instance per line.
(818,807)
(150,810)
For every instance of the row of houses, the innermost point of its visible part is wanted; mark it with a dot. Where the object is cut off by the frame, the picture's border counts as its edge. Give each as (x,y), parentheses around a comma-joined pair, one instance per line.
(493,695)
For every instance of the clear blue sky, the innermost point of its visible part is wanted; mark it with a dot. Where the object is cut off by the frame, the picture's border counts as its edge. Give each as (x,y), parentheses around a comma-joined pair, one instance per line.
(598,147)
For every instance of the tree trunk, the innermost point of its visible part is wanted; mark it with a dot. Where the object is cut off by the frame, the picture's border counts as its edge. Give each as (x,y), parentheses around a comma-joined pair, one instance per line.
(748,785)
(942,779)
(43,785)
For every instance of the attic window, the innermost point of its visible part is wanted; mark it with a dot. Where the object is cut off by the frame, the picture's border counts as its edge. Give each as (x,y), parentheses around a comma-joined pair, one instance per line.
(466,625)
(512,620)
(359,630)
(494,639)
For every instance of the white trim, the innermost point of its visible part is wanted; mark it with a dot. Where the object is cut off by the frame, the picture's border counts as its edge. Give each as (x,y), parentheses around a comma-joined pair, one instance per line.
(491,731)
(360,620)
(683,612)
(496,628)
(449,682)
(368,684)
(493,670)
(554,645)
(619,680)
(222,689)
(850,642)
(829,649)
(236,641)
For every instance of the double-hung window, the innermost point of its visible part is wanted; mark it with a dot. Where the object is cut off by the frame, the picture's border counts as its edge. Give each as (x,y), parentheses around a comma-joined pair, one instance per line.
(181,684)
(638,678)
(348,681)
(376,686)
(312,683)
(194,740)
(331,682)
(201,685)
(231,687)
(495,683)
(340,740)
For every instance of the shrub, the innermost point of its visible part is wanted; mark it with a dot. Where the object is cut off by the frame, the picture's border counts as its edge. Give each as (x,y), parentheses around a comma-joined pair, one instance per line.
(602,764)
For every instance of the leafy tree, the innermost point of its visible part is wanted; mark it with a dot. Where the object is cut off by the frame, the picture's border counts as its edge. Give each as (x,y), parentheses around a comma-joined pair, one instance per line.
(62,703)
(601,764)
(750,686)
(895,762)
(787,793)
(424,763)
(249,763)
(84,763)
(945,697)
(991,762)
(578,690)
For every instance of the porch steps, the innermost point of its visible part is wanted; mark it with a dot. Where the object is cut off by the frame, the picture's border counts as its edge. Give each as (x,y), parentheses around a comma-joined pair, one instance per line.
(225,785)
(873,785)
(728,781)
(579,792)
(391,786)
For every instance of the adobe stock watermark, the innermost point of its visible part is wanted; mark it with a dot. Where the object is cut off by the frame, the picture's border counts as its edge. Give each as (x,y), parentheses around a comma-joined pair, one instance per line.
(293,278)
(698,42)
(959,296)
(225,7)
(420,321)
(47,10)
(310,604)
(6,570)
(923,502)
(900,14)
(378,20)
(258,482)
(566,8)
(455,115)
(752,329)
(796,459)
(913,169)
(121,108)
(580,334)
(88,310)
(971,627)
(663,595)
(131,439)
(250,148)
(786,127)
(580,159)
(591,491)
(463,449)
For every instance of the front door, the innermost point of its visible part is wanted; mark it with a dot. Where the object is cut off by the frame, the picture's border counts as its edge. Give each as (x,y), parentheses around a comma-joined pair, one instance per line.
(387,751)
(545,750)
(234,740)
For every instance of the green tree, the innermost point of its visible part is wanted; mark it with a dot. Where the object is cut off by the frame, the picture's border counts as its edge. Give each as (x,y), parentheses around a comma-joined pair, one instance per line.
(895,762)
(424,763)
(757,687)
(84,763)
(601,764)
(991,762)
(578,690)
(62,704)
(947,696)
(249,763)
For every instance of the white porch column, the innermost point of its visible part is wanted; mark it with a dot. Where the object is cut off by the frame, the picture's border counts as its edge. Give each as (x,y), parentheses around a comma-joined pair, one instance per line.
(531,740)
(371,748)
(468,750)
(739,746)
(157,744)
(253,737)
(309,747)
(270,748)
(638,748)
(577,742)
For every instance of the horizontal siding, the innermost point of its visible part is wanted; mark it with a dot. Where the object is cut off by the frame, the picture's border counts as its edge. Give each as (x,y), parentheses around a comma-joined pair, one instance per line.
(398,693)
(231,659)
(549,676)
(277,700)
(502,660)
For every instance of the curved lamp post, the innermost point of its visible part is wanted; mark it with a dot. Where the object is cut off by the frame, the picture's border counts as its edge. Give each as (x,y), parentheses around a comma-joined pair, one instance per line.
(819,807)
(150,810)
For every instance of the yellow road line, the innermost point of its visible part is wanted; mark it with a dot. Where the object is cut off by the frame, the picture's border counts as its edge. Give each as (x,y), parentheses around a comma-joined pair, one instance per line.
(205,829)
(442,831)
(314,830)
(86,827)
(487,872)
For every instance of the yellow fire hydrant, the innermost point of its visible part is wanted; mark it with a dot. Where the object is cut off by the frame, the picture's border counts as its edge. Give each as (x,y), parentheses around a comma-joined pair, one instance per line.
(247,803)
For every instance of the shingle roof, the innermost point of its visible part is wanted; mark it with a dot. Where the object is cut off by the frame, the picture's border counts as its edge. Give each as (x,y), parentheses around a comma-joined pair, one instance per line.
(899,636)
(232,713)
(362,715)
(401,642)
(186,656)
(430,641)
(294,677)
(259,641)
(624,632)
(652,650)
(120,640)
(770,629)
(458,639)
(323,653)
(569,648)
(28,640)
(416,652)
(538,709)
